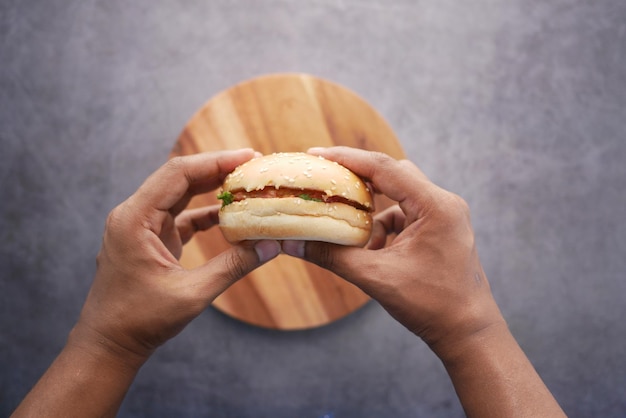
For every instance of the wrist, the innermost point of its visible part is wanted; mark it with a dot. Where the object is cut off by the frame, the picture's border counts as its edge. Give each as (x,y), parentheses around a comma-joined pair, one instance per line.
(90,377)
(493,377)
(455,351)
(91,343)
(470,332)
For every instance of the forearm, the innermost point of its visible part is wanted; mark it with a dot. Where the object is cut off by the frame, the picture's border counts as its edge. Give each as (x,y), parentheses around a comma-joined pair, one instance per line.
(494,378)
(82,381)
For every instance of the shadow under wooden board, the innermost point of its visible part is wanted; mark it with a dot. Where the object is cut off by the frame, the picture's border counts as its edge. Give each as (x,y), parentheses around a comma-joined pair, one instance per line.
(283,113)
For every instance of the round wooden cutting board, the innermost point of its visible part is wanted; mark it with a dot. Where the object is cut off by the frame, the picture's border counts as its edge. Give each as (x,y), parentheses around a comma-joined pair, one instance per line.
(282,113)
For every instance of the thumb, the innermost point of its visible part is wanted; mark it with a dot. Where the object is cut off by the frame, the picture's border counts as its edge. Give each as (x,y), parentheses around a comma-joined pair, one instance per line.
(231,265)
(347,262)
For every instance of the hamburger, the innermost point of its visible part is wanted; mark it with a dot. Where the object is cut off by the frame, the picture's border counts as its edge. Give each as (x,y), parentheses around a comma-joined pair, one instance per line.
(297,196)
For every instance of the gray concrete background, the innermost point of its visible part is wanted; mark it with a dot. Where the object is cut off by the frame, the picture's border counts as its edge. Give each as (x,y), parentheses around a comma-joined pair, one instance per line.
(519,106)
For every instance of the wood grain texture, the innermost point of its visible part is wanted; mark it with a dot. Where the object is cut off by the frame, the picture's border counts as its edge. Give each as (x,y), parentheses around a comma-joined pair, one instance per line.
(280,113)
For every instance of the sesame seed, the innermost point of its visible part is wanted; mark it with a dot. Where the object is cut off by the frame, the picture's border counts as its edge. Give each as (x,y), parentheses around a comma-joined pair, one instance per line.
(333,181)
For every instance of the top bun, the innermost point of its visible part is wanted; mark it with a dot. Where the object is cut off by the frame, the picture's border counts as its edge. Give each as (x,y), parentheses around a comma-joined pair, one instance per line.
(298,170)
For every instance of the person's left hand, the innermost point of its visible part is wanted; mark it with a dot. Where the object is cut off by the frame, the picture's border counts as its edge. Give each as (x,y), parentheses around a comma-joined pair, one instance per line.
(141,295)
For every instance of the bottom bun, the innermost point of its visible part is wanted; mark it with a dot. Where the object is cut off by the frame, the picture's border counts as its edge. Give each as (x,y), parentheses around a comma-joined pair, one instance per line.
(295,218)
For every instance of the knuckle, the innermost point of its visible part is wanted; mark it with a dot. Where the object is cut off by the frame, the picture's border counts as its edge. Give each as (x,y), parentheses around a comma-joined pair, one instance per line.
(406,163)
(100,258)
(179,167)
(461,205)
(175,163)
(324,256)
(235,266)
(123,217)
(457,217)
(453,206)
(381,159)
(115,218)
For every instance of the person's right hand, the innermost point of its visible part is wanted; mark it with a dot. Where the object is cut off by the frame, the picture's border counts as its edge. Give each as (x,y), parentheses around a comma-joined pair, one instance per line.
(429,277)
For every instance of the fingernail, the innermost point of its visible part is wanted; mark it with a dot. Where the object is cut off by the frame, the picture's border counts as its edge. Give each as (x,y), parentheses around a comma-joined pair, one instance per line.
(315,150)
(266,250)
(294,248)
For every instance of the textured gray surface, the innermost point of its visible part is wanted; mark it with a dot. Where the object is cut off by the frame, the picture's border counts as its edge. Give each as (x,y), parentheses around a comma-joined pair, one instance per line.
(519,106)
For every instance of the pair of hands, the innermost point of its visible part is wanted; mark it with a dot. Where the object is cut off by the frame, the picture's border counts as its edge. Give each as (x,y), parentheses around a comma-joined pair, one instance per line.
(429,277)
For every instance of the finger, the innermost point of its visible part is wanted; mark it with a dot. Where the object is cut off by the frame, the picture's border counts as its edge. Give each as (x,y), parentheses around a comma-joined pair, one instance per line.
(353,264)
(231,265)
(191,221)
(171,186)
(390,221)
(344,261)
(388,175)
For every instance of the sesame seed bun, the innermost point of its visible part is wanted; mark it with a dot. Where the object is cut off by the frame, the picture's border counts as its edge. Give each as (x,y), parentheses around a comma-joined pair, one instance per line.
(296,196)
